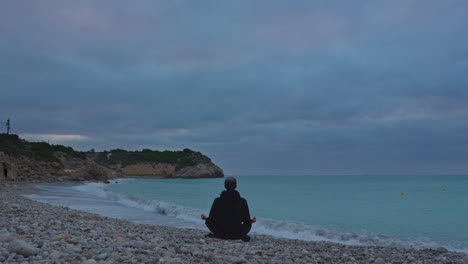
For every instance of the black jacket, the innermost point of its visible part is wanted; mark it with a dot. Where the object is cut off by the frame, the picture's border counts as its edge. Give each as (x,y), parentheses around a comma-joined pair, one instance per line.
(229,216)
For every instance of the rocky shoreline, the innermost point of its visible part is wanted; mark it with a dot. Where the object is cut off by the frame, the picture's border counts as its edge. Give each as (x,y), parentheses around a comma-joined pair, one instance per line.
(34,232)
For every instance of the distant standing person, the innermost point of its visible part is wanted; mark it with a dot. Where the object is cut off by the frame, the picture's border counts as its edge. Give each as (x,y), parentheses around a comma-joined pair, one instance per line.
(229,215)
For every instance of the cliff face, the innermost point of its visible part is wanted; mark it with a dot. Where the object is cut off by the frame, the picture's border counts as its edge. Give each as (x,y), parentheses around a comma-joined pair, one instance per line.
(189,164)
(23,168)
(21,160)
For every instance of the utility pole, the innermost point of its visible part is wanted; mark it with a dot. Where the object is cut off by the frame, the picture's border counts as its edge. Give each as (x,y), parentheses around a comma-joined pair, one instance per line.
(8,126)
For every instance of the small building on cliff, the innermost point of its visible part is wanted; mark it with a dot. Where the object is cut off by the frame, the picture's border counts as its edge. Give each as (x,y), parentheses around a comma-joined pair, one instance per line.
(7,171)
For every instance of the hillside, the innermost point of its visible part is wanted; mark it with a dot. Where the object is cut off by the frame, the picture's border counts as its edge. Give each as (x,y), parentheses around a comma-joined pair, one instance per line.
(21,160)
(169,164)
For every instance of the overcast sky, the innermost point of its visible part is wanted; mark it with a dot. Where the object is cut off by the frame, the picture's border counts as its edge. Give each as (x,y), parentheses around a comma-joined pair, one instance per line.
(261,87)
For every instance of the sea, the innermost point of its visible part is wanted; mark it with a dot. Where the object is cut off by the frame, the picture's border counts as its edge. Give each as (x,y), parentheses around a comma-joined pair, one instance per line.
(402,211)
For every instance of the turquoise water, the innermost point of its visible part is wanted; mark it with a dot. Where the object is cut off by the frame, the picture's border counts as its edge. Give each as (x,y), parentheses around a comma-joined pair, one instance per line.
(410,211)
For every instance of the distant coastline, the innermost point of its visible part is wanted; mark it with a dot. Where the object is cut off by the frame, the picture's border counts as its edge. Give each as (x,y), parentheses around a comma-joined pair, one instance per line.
(24,161)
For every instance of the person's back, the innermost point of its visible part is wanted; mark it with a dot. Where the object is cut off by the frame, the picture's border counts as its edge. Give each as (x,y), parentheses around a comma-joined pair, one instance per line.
(229,215)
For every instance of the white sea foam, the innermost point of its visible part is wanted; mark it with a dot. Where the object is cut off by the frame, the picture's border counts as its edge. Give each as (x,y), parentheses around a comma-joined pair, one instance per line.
(148,205)
(277,228)
(94,188)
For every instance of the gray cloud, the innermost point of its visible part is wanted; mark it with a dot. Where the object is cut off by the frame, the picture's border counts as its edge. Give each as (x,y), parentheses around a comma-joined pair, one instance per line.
(262,87)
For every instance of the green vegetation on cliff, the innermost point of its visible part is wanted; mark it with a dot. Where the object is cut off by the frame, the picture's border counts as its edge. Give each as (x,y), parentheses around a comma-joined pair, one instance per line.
(41,161)
(12,145)
(125,158)
(42,151)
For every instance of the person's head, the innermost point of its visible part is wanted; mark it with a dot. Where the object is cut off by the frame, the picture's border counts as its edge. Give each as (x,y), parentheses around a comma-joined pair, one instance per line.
(230,183)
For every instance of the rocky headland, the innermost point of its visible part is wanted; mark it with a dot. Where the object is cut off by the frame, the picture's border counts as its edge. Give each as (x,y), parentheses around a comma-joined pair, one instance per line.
(24,161)
(168,164)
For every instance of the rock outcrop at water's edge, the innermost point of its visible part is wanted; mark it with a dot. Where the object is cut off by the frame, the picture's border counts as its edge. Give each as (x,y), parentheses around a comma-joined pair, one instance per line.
(202,170)
(22,161)
(196,165)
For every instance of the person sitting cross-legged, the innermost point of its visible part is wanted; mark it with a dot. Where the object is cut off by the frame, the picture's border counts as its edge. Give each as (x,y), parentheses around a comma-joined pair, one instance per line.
(229,216)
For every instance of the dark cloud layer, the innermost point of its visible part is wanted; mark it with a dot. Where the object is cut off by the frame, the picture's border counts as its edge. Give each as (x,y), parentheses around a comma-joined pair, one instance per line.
(263,87)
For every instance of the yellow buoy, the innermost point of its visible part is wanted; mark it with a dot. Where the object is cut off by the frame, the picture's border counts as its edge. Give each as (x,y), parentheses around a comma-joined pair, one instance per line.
(402,193)
(443,189)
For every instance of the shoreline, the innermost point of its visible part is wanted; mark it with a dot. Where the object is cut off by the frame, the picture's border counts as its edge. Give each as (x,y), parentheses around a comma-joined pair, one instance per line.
(57,233)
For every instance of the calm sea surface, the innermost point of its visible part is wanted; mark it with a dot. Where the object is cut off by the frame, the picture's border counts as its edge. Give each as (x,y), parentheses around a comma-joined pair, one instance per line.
(409,211)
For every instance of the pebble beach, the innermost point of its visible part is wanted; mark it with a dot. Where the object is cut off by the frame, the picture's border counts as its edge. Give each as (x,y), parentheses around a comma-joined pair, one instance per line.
(34,232)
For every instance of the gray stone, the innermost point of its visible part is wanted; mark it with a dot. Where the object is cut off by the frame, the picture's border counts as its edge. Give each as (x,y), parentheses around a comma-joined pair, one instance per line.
(166,261)
(128,244)
(35,258)
(102,256)
(6,237)
(40,243)
(22,248)
(379,261)
(55,254)
(87,255)
(442,250)
(11,256)
(237,260)
(89,261)
(61,237)
(73,250)
(5,253)
(73,241)
(141,251)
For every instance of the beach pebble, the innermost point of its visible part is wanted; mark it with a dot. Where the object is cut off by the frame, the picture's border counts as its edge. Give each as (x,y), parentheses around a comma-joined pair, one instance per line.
(55,254)
(442,249)
(11,256)
(87,255)
(167,261)
(379,261)
(73,241)
(22,248)
(236,260)
(120,239)
(61,237)
(89,261)
(40,243)
(6,237)
(102,256)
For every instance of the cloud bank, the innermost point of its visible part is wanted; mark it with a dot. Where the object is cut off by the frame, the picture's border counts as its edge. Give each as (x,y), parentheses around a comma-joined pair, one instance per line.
(263,87)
